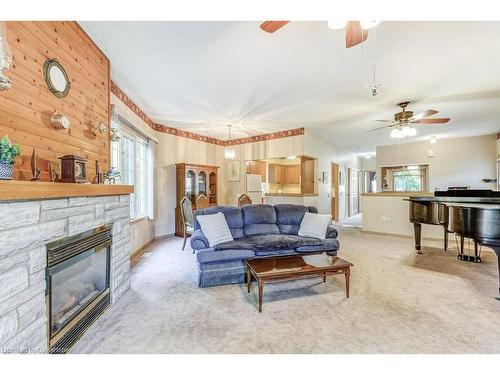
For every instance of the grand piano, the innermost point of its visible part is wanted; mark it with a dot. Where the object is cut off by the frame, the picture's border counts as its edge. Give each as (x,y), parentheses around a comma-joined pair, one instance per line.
(473,214)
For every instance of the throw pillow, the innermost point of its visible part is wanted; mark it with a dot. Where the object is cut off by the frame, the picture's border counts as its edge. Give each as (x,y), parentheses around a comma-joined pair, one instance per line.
(314,225)
(215,228)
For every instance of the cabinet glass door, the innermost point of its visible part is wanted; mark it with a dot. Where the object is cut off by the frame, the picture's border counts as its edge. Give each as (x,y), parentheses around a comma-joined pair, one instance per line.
(190,186)
(212,188)
(202,183)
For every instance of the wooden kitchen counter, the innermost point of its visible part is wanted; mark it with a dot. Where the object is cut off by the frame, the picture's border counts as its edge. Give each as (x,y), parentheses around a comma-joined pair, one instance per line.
(22,190)
(290,195)
(400,194)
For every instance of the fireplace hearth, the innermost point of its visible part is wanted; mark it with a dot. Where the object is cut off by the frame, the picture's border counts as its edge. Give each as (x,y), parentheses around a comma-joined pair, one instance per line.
(78,277)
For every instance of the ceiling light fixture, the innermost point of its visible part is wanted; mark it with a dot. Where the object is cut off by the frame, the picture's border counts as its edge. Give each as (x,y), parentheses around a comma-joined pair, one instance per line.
(374,85)
(5,57)
(229,152)
(336,24)
(403,131)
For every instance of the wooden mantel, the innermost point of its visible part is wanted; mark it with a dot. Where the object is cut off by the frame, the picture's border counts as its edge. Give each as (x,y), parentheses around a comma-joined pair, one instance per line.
(21,190)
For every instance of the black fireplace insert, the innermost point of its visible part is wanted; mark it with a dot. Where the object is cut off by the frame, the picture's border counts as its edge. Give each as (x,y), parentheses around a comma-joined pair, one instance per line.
(78,272)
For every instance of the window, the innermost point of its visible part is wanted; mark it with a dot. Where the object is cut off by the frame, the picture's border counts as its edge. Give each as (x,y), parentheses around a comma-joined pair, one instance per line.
(131,156)
(405,178)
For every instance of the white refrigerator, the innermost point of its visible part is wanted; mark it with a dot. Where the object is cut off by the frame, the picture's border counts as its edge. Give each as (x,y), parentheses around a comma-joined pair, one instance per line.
(254,188)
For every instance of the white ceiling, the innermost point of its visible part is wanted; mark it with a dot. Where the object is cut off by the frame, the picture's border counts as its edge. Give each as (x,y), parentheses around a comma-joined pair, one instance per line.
(200,76)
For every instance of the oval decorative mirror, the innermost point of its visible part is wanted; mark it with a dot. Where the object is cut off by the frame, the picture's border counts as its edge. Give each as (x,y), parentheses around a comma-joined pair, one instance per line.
(56,78)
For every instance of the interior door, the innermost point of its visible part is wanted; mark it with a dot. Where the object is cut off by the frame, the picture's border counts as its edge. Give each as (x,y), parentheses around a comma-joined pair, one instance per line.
(335,192)
(354,192)
(348,195)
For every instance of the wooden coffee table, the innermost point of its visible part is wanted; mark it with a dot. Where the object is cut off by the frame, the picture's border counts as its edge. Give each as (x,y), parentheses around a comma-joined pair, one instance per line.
(275,269)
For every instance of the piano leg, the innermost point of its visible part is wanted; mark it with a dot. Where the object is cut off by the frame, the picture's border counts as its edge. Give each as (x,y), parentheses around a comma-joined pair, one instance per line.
(417,227)
(498,257)
(460,255)
(497,252)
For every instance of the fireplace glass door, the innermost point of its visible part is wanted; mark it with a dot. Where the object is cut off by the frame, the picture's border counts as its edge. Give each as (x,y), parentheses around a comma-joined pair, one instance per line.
(74,283)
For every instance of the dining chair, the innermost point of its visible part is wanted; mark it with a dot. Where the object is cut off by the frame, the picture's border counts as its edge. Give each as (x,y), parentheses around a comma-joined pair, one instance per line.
(202,201)
(187,219)
(243,200)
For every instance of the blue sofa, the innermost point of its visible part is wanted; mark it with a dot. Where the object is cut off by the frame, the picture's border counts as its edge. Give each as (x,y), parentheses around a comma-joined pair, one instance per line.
(258,230)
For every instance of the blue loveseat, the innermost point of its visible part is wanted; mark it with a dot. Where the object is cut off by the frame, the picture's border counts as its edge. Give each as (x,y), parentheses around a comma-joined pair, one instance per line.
(258,230)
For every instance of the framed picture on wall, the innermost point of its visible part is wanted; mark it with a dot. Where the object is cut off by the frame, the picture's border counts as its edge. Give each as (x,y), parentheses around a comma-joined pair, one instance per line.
(233,168)
(324,177)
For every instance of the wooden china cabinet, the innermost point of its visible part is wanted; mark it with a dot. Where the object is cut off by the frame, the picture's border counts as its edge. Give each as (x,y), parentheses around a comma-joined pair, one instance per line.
(192,181)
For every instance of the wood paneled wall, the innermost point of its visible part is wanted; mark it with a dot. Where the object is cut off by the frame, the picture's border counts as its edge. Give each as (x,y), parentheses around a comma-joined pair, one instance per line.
(26,108)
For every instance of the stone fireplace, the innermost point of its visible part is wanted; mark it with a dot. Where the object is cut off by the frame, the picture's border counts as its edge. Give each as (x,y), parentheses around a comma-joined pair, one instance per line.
(62,261)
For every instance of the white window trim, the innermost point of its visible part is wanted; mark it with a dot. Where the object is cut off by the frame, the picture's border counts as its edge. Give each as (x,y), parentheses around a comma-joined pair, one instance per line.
(127,132)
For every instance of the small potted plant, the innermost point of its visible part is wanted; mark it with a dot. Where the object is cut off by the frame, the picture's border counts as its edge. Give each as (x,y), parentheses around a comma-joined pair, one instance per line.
(8,152)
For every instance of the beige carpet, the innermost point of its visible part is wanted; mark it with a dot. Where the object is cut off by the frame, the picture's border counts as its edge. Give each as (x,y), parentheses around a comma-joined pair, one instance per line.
(400,303)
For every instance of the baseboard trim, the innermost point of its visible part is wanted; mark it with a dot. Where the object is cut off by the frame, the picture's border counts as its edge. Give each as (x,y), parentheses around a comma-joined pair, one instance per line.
(165,236)
(141,250)
(399,235)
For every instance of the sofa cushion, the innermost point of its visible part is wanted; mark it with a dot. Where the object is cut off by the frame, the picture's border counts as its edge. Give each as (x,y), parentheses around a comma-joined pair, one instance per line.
(215,228)
(198,240)
(270,253)
(258,214)
(331,232)
(209,255)
(292,229)
(256,229)
(312,209)
(328,244)
(259,219)
(233,215)
(289,217)
(268,242)
(314,225)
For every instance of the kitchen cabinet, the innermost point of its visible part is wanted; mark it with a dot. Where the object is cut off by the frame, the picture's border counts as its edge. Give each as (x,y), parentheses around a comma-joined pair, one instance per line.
(292,174)
(257,167)
(307,175)
(284,174)
(276,174)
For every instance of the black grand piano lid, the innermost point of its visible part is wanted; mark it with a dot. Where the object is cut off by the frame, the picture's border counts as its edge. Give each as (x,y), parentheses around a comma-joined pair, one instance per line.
(479,193)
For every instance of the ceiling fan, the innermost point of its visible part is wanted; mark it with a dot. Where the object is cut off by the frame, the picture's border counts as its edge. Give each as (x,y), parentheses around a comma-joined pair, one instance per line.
(403,119)
(356,32)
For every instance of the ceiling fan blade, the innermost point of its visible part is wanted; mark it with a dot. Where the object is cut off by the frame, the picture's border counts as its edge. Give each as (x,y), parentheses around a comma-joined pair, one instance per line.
(272,26)
(432,121)
(421,115)
(381,127)
(354,34)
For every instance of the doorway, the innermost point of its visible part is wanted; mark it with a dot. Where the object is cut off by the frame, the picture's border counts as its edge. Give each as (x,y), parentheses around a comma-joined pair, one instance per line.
(352,192)
(335,192)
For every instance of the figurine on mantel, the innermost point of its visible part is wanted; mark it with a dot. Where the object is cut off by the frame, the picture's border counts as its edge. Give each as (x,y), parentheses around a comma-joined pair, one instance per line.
(99,176)
(112,175)
(52,173)
(35,171)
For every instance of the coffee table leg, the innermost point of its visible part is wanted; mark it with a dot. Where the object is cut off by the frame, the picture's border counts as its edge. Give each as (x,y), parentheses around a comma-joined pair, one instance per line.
(347,274)
(261,292)
(249,280)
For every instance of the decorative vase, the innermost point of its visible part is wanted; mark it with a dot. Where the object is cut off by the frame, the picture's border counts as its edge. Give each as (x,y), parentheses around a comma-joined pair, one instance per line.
(5,171)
